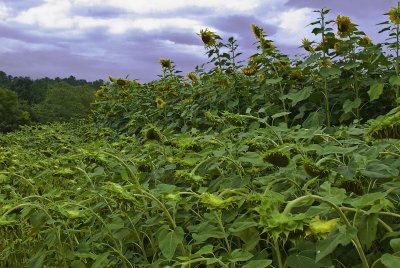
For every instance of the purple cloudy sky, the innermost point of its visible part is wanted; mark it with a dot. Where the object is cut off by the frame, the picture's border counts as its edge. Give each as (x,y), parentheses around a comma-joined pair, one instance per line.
(91,39)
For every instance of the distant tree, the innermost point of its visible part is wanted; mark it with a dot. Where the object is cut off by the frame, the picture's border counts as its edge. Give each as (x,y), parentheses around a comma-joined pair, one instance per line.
(64,102)
(23,86)
(11,114)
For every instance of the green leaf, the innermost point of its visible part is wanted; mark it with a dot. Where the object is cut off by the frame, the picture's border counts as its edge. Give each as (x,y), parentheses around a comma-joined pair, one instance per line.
(375,90)
(314,119)
(367,199)
(253,158)
(273,81)
(390,261)
(377,170)
(367,229)
(311,59)
(300,261)
(351,65)
(349,105)
(168,240)
(329,71)
(341,235)
(257,264)
(78,264)
(277,115)
(208,249)
(395,244)
(300,95)
(394,80)
(101,261)
(240,255)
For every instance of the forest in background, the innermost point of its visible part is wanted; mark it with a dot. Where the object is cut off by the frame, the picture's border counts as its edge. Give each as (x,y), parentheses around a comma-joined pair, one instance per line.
(24,100)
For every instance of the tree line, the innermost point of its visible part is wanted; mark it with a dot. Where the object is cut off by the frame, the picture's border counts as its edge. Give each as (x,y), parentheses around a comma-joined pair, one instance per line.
(24,100)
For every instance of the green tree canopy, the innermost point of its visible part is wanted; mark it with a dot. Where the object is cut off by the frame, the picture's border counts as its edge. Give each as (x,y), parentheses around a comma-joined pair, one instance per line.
(11,114)
(64,102)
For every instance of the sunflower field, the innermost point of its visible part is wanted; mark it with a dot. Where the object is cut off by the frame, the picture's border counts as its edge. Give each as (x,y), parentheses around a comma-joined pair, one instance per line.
(276,162)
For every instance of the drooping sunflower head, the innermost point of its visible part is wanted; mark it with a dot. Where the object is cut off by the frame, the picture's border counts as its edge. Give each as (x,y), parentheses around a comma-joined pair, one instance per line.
(366,41)
(191,76)
(166,63)
(266,44)
(257,31)
(295,75)
(277,157)
(345,26)
(99,93)
(160,103)
(207,37)
(249,70)
(321,228)
(394,15)
(307,45)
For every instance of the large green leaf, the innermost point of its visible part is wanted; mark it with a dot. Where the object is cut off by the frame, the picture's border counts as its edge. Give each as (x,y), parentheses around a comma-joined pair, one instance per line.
(300,95)
(367,199)
(367,229)
(300,261)
(349,105)
(375,90)
(257,264)
(240,255)
(168,240)
(394,80)
(390,261)
(330,71)
(341,235)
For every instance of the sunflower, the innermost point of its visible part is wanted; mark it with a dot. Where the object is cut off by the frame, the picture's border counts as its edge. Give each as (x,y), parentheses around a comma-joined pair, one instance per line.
(266,44)
(295,75)
(207,37)
(249,70)
(99,93)
(394,15)
(257,31)
(307,45)
(321,228)
(366,41)
(345,26)
(166,63)
(191,76)
(160,103)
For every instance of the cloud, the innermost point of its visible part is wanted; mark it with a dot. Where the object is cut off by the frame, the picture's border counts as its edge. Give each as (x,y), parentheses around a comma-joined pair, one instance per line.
(292,26)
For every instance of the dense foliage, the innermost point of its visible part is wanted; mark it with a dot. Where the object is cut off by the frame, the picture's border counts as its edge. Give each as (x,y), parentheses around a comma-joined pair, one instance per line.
(45,100)
(280,163)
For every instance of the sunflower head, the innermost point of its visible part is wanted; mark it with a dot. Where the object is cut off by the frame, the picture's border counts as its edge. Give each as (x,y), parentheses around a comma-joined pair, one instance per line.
(295,75)
(257,31)
(207,37)
(249,70)
(366,41)
(321,228)
(307,45)
(166,63)
(345,26)
(99,93)
(191,76)
(266,44)
(394,15)
(160,103)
